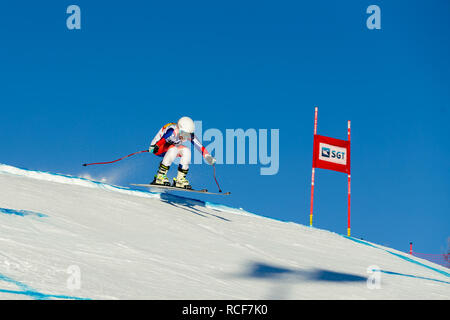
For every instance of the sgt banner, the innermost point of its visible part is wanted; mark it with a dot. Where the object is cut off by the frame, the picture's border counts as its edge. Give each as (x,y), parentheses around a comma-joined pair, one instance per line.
(332,154)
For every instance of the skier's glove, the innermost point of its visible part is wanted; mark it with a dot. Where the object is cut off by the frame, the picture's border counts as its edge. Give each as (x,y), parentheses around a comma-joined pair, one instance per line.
(153,148)
(210,159)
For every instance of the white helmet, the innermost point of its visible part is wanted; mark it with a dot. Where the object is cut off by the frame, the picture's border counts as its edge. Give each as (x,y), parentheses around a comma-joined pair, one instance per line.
(186,127)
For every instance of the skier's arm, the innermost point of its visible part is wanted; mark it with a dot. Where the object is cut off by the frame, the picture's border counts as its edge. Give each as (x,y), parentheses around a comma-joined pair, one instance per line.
(202,149)
(159,140)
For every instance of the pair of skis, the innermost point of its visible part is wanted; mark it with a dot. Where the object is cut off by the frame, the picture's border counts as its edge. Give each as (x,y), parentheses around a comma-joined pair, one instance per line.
(169,188)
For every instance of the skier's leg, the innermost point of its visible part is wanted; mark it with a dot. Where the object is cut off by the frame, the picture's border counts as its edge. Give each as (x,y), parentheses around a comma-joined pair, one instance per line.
(161,175)
(185,159)
(168,157)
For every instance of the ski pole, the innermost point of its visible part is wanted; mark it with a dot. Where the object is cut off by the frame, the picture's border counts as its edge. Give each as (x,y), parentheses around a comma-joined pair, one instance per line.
(214,167)
(90,164)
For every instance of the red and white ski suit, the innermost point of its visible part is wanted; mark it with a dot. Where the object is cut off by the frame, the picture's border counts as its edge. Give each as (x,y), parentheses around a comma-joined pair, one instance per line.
(169,145)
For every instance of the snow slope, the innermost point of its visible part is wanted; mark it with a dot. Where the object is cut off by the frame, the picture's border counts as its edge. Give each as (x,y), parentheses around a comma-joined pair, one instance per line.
(64,237)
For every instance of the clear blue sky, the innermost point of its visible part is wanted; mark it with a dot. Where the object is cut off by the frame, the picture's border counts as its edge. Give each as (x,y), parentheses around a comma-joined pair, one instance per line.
(96,94)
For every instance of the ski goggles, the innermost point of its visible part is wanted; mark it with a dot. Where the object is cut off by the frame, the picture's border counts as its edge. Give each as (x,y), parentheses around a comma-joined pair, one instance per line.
(185,135)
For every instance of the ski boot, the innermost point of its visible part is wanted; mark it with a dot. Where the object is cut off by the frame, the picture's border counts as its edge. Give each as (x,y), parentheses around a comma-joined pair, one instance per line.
(180,181)
(161,176)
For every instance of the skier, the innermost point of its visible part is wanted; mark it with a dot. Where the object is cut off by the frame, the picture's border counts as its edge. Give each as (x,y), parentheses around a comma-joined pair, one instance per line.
(168,143)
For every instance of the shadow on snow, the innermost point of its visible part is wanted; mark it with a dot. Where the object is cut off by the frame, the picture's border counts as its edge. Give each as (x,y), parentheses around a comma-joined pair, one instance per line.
(190,205)
(262,270)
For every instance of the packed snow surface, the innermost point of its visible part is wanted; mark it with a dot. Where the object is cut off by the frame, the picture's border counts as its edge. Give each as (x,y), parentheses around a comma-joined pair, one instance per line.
(64,237)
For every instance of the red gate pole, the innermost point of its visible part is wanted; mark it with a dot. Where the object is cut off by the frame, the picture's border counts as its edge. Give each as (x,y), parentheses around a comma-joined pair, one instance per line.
(313,171)
(410,248)
(349,186)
